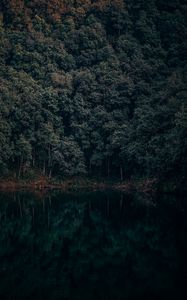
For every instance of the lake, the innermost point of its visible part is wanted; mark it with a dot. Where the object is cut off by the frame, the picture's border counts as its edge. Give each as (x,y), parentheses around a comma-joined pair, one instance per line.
(92,245)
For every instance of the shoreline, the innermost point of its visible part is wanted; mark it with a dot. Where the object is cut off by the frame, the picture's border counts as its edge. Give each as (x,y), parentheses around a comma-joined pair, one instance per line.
(13,185)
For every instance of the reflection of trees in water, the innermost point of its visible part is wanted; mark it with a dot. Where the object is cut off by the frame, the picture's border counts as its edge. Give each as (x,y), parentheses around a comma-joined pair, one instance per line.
(86,246)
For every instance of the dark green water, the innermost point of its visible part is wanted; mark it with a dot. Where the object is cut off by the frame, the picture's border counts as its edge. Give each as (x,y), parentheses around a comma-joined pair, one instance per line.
(97,245)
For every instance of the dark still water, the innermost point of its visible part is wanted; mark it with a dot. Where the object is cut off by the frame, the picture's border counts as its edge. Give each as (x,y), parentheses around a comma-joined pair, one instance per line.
(97,245)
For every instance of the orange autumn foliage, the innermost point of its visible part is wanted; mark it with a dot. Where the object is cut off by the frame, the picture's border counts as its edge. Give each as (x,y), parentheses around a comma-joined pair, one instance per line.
(16,5)
(56,8)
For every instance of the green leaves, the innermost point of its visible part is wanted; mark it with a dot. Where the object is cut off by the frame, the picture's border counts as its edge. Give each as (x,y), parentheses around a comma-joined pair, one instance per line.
(106,78)
(69,158)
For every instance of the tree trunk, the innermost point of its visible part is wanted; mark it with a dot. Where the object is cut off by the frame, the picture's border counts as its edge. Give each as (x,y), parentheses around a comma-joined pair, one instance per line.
(33,158)
(90,167)
(121,173)
(44,168)
(50,173)
(108,167)
(20,167)
(49,156)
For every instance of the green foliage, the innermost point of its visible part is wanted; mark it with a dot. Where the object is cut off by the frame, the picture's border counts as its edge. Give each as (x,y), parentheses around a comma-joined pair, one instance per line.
(93,87)
(69,158)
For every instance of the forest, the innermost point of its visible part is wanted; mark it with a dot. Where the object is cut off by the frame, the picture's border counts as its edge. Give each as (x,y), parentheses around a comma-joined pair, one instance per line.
(93,88)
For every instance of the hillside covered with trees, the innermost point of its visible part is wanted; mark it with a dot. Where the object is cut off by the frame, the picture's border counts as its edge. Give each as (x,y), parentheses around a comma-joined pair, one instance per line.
(93,88)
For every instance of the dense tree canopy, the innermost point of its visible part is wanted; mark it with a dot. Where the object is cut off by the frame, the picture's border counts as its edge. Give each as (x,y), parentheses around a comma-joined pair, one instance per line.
(94,87)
